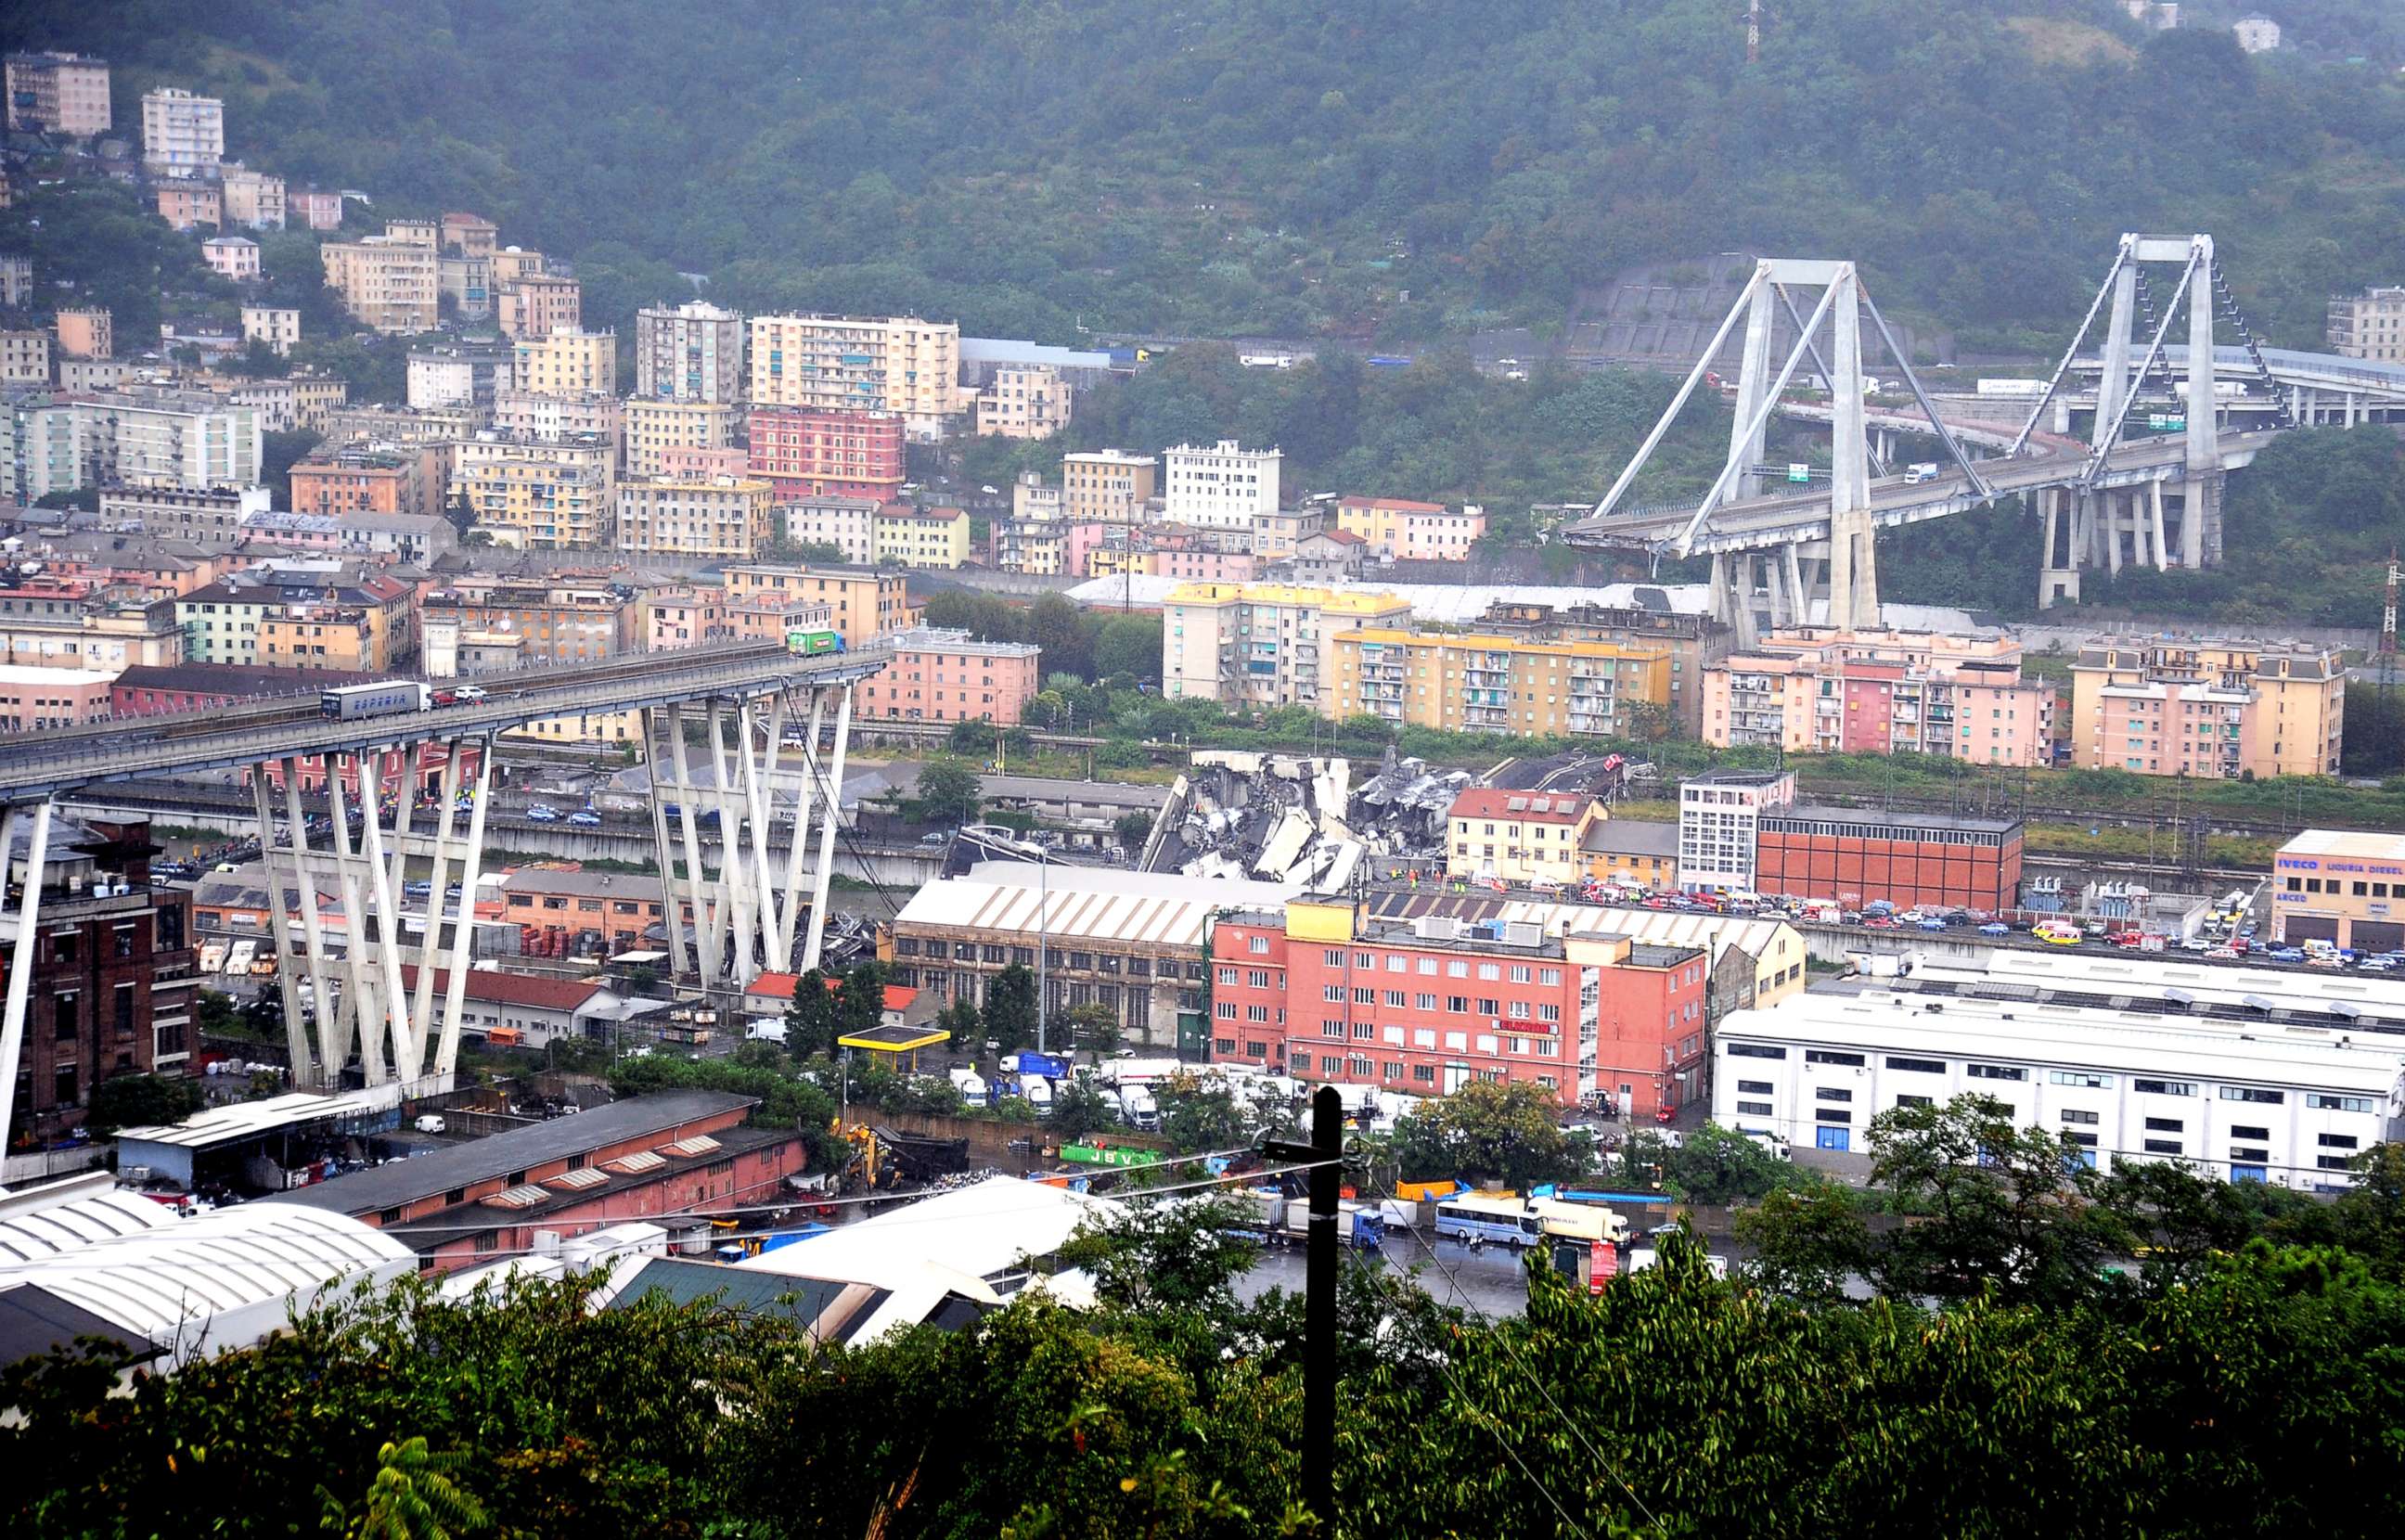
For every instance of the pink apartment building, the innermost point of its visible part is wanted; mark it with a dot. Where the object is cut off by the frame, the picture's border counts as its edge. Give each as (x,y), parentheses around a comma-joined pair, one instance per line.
(685,615)
(33,697)
(1827,691)
(942,674)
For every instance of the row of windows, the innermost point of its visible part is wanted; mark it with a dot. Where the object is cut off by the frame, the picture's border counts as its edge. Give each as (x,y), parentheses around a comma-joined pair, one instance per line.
(2088,1080)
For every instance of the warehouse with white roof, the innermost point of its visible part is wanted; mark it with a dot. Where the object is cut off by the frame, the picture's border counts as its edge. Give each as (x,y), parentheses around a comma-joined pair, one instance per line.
(1132,941)
(2284,1104)
(81,1258)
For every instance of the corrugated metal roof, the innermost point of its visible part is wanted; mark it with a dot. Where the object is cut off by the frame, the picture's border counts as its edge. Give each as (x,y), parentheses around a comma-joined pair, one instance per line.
(699,1144)
(642,1160)
(1150,908)
(522,1196)
(576,1181)
(174,1276)
(238,1120)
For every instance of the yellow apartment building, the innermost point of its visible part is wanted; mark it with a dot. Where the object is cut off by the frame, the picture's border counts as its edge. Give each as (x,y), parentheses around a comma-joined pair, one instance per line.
(1473,684)
(720,516)
(389,284)
(863,604)
(1105,486)
(654,428)
(933,539)
(567,362)
(2210,707)
(1261,644)
(893,363)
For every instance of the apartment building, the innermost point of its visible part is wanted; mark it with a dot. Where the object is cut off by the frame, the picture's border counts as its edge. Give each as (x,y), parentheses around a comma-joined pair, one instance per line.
(25,359)
(553,619)
(57,93)
(1039,547)
(567,362)
(315,208)
(847,524)
(210,517)
(678,615)
(469,374)
(657,429)
(1719,814)
(189,205)
(827,453)
(557,417)
(1329,993)
(1032,497)
(293,403)
(85,333)
(183,135)
(1522,838)
(722,517)
(232,257)
(937,674)
(168,438)
(1279,537)
(934,539)
(1478,683)
(2370,325)
(370,478)
(511,263)
(230,621)
(864,605)
(252,199)
(469,234)
(74,623)
(1164,550)
(16,282)
(1397,530)
(320,636)
(1831,690)
(278,326)
(467,285)
(899,364)
(692,351)
(1224,487)
(42,448)
(538,305)
(2208,707)
(537,495)
(35,697)
(1105,486)
(1262,644)
(443,427)
(387,284)
(110,987)
(1024,403)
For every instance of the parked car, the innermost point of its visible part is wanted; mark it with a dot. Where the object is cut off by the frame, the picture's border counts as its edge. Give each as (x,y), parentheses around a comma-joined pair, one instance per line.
(586,819)
(539,813)
(1992,929)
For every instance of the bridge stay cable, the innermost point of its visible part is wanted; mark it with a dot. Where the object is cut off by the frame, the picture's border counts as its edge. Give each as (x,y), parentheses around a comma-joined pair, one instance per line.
(2109,433)
(2070,354)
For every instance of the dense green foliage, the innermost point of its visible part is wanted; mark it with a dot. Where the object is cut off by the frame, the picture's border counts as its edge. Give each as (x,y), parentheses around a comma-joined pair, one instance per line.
(2246,1390)
(1275,168)
(141,1101)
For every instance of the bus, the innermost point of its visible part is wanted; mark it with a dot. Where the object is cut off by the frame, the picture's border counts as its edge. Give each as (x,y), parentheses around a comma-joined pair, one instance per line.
(1506,1219)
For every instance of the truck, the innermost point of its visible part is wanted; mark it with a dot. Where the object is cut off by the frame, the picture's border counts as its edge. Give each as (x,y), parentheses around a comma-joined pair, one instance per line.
(813,643)
(352,702)
(1357,1223)
(1026,1062)
(1037,1092)
(971,1086)
(1925,470)
(1138,1108)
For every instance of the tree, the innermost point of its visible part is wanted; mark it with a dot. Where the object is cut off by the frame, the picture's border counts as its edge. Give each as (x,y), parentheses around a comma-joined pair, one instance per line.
(860,1004)
(1489,1131)
(1720,1167)
(1807,1244)
(813,1018)
(140,1101)
(1196,1117)
(1093,1027)
(1079,1109)
(1169,1254)
(1132,830)
(948,793)
(2012,1209)
(1010,1020)
(414,1497)
(1128,647)
(960,1018)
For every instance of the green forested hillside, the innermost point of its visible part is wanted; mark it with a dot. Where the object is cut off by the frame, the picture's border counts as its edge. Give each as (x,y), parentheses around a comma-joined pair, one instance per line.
(1393,169)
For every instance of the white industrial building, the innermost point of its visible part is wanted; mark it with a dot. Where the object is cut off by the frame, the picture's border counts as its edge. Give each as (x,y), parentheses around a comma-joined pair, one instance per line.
(2168,983)
(2285,1104)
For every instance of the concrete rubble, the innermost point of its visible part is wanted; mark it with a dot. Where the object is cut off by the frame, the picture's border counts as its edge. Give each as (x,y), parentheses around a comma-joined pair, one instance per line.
(1298,819)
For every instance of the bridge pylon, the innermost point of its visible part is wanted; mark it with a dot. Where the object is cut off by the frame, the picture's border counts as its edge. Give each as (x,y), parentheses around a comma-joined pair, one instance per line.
(1846,563)
(2086,525)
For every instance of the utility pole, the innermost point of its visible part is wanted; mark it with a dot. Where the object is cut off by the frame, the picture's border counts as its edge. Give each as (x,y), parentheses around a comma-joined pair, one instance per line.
(1753,32)
(1327,1147)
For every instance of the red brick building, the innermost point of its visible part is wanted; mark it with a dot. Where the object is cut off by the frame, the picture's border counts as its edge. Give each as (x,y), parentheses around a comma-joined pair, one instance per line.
(1329,993)
(805,451)
(671,1153)
(113,988)
(1855,856)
